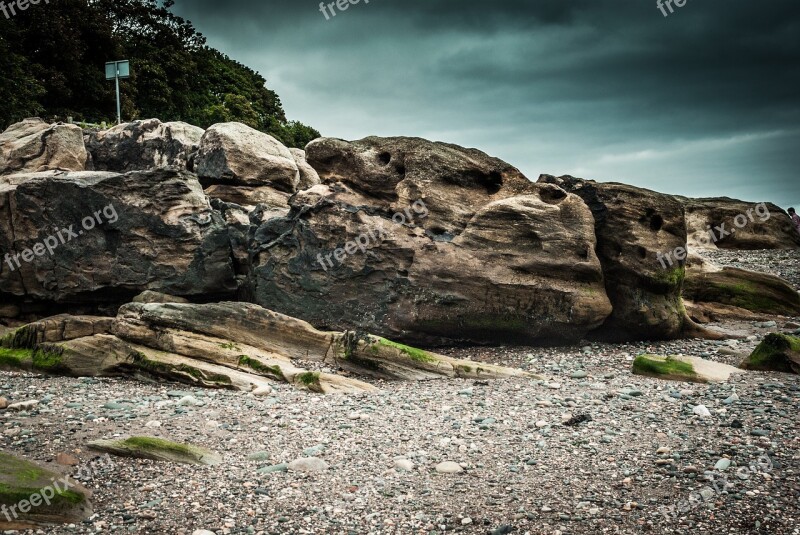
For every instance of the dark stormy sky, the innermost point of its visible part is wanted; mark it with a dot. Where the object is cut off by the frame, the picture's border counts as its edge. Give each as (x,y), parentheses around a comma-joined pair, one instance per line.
(705,102)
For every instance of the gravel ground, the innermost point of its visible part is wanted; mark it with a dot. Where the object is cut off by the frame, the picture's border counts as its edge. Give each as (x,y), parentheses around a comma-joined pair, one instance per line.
(636,466)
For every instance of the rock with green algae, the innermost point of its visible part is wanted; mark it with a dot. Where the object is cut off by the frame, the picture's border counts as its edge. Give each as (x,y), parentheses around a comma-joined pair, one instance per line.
(778,353)
(683,368)
(157,449)
(32,496)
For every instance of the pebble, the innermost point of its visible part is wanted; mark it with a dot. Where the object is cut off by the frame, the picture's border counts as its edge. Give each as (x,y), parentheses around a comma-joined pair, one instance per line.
(702,411)
(263,391)
(308,464)
(3,403)
(449,467)
(403,465)
(722,464)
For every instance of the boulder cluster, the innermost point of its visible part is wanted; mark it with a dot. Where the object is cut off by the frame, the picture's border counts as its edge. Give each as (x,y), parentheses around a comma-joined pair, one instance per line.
(230,214)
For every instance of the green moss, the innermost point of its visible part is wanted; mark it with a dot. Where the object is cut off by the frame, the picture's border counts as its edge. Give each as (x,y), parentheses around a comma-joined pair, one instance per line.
(308,378)
(671,277)
(413,353)
(668,367)
(157,444)
(774,354)
(47,360)
(180,372)
(230,346)
(21,480)
(15,358)
(274,372)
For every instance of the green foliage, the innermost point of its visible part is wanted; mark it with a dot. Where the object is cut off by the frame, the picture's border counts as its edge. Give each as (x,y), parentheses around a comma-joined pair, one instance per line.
(52,61)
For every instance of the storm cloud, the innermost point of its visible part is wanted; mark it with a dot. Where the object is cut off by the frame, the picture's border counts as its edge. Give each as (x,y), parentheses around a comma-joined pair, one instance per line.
(705,102)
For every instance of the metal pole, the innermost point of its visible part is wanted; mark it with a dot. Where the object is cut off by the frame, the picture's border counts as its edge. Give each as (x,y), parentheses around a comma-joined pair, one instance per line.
(119,113)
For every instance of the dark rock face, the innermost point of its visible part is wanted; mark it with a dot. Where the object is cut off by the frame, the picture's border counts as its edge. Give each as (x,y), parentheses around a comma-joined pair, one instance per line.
(433,243)
(101,238)
(738,225)
(143,145)
(33,145)
(633,227)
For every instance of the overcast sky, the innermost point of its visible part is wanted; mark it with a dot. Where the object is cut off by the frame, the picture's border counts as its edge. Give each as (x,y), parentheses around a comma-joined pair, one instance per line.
(704,102)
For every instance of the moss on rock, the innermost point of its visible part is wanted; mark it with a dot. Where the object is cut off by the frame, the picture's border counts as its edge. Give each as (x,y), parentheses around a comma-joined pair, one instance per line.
(664,367)
(778,352)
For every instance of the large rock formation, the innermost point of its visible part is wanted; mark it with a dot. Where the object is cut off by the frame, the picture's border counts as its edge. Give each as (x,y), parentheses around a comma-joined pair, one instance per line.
(732,224)
(635,229)
(431,242)
(245,166)
(143,145)
(98,238)
(33,145)
(223,345)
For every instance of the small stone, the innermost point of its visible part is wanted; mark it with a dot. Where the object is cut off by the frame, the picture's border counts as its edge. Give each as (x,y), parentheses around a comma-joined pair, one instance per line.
(733,398)
(262,391)
(3,403)
(663,450)
(65,459)
(308,464)
(449,467)
(541,423)
(152,424)
(203,532)
(580,374)
(403,465)
(283,467)
(190,401)
(313,451)
(702,411)
(466,521)
(23,405)
(722,464)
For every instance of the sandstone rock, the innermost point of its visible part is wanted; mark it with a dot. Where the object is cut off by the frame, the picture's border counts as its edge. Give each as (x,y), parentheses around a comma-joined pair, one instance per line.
(449,467)
(64,505)
(633,227)
(33,145)
(3,403)
(738,225)
(308,175)
(65,459)
(156,231)
(157,449)
(438,243)
(251,196)
(149,296)
(143,145)
(778,352)
(756,292)
(683,368)
(235,154)
(226,345)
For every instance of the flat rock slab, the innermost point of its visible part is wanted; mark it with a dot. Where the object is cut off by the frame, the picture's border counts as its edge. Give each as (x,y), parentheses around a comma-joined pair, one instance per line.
(683,368)
(157,449)
(32,496)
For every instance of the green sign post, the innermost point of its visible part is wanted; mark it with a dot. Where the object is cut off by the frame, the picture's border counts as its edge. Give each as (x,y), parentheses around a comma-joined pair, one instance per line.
(114,71)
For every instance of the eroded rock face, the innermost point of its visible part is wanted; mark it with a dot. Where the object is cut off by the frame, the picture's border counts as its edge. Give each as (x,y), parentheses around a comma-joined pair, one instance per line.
(308,175)
(93,237)
(738,225)
(633,227)
(436,244)
(143,145)
(233,154)
(33,145)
